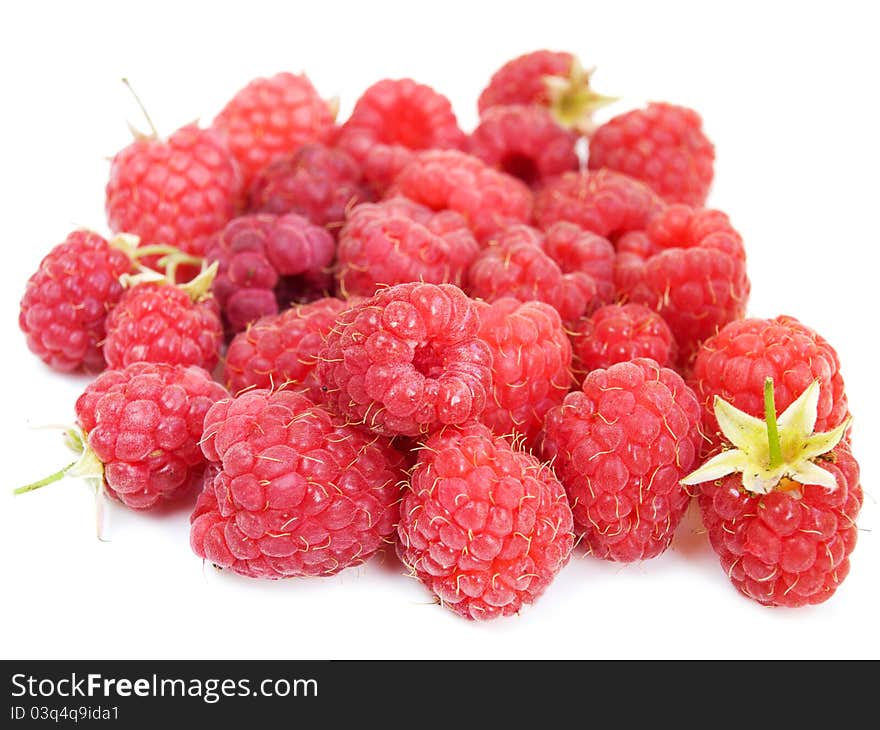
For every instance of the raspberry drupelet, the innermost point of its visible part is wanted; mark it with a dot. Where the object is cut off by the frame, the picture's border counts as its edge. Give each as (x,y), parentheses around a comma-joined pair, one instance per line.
(484,526)
(296,491)
(407,360)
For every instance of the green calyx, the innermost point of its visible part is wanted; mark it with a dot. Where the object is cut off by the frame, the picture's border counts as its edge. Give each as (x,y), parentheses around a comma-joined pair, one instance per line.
(86,466)
(773,453)
(572,101)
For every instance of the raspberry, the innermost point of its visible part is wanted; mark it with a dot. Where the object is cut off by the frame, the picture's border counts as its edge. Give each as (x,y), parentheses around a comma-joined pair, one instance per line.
(734,364)
(175,192)
(272,117)
(266,260)
(156,322)
(570,269)
(397,241)
(393,119)
(531,364)
(780,503)
(618,333)
(620,446)
(282,348)
(144,424)
(488,199)
(524,141)
(690,266)
(550,79)
(407,360)
(604,202)
(298,493)
(317,182)
(484,526)
(662,145)
(65,304)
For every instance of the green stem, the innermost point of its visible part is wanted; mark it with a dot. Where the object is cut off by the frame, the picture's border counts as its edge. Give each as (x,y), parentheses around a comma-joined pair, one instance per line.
(772,429)
(57,476)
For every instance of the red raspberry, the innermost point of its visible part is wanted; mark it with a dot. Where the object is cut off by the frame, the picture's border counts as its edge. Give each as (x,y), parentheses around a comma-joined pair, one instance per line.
(484,526)
(299,492)
(566,267)
(397,241)
(272,117)
(604,202)
(550,79)
(531,364)
(144,424)
(266,259)
(620,446)
(65,304)
(317,182)
(618,333)
(524,141)
(488,199)
(282,348)
(690,266)
(662,145)
(155,322)
(393,119)
(175,192)
(407,360)
(734,364)
(780,501)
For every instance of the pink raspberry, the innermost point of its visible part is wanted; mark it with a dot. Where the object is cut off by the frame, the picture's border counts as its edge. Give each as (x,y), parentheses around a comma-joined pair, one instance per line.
(397,241)
(566,267)
(144,423)
(392,120)
(483,526)
(524,141)
(690,266)
(531,364)
(317,182)
(408,360)
(604,202)
(266,260)
(618,333)
(488,199)
(297,491)
(620,446)
(282,348)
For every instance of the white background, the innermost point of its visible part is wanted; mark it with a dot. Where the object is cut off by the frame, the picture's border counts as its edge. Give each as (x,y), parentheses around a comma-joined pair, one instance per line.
(788,94)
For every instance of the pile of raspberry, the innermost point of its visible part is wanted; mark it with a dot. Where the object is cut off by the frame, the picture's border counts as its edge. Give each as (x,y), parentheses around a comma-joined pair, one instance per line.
(481,350)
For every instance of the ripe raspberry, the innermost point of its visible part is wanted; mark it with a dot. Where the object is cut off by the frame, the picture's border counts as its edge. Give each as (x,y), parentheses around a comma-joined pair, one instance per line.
(524,141)
(272,117)
(156,322)
(484,526)
(282,348)
(317,182)
(531,364)
(604,202)
(662,145)
(690,266)
(299,492)
(144,424)
(785,526)
(554,80)
(620,446)
(566,267)
(267,260)
(397,241)
(65,304)
(175,192)
(393,119)
(407,360)
(488,199)
(734,364)
(619,333)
